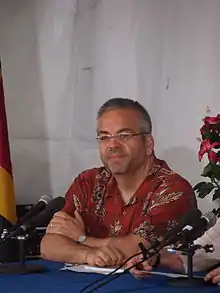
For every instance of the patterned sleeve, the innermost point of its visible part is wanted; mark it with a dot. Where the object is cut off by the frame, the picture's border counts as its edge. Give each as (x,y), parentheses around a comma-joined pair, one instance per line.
(79,192)
(163,208)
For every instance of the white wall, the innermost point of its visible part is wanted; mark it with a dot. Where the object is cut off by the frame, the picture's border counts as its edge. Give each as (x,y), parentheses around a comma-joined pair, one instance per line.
(62,59)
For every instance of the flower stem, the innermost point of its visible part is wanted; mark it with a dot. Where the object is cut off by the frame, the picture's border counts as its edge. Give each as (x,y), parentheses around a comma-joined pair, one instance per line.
(216,182)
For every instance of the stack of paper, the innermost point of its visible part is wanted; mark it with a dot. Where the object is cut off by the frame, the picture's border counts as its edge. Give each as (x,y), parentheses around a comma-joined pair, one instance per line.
(90,269)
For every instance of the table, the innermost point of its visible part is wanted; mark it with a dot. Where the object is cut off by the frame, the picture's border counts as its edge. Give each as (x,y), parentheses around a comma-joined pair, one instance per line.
(55,281)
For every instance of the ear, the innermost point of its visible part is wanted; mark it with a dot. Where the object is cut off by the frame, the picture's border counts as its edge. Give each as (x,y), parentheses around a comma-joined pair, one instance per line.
(149,140)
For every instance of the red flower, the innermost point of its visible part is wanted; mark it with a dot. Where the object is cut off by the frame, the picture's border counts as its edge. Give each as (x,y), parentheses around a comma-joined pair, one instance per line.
(212,120)
(213,158)
(206,147)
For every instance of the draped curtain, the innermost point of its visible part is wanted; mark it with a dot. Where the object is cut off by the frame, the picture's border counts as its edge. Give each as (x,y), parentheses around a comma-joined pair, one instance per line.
(63,59)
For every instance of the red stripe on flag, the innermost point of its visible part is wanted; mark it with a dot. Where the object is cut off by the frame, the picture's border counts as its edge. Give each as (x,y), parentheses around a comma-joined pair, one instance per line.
(5,159)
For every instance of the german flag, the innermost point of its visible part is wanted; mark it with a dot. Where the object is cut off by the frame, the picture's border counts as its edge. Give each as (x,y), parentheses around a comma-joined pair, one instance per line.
(7,198)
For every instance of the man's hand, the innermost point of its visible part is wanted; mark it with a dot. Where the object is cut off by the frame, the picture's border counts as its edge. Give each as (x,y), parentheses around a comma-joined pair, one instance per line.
(213,276)
(141,271)
(104,256)
(64,224)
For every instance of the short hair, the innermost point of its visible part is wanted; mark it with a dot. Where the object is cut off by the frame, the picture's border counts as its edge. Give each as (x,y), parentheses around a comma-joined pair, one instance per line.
(125,103)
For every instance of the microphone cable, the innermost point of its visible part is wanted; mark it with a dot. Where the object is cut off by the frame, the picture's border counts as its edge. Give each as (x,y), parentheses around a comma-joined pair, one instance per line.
(147,253)
(110,274)
(119,267)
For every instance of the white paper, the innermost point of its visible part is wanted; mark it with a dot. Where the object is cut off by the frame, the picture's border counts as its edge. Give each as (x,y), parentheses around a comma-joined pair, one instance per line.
(90,269)
(172,275)
(107,270)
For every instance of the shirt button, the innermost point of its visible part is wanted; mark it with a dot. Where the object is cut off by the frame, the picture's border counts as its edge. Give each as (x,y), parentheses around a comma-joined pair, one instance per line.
(124,213)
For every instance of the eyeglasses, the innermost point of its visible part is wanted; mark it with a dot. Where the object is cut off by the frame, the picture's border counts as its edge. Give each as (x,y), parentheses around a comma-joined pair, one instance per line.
(119,137)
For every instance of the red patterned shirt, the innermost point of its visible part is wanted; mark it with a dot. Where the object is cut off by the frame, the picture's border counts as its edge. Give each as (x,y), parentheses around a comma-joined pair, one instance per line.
(160,201)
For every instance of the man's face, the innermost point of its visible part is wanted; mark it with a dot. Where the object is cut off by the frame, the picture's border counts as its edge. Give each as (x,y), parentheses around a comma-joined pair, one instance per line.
(122,154)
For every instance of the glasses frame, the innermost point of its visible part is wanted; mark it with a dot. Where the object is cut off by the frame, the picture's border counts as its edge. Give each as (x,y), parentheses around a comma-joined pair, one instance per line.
(119,136)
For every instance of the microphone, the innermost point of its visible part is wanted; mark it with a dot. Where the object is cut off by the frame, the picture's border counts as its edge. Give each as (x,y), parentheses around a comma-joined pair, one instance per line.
(188,219)
(172,235)
(36,209)
(208,220)
(45,216)
(54,206)
(192,232)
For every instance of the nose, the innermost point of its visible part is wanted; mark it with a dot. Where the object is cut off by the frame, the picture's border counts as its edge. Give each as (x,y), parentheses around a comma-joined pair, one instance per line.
(114,142)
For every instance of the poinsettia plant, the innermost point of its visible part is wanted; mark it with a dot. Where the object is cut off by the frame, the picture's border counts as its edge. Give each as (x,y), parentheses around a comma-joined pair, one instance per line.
(210,146)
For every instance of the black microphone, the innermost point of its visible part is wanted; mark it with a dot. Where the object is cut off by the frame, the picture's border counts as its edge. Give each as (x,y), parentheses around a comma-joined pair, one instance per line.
(188,219)
(54,206)
(192,232)
(45,216)
(171,236)
(36,209)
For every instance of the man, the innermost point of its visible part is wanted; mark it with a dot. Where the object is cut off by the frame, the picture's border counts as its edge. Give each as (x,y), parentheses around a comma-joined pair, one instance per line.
(202,261)
(134,198)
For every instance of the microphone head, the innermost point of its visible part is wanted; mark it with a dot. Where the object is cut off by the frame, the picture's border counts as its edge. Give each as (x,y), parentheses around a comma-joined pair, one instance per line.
(36,209)
(40,220)
(210,218)
(55,205)
(51,208)
(197,229)
(46,198)
(191,217)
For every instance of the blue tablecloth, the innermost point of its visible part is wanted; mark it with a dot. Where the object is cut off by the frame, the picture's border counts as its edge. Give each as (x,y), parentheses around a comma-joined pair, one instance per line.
(55,281)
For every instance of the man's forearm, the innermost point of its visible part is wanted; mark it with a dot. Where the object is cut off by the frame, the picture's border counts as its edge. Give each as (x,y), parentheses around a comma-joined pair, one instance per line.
(63,249)
(171,261)
(95,242)
(128,245)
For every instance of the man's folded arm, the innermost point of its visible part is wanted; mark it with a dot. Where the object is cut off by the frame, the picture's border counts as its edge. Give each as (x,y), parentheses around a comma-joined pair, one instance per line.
(62,249)
(128,245)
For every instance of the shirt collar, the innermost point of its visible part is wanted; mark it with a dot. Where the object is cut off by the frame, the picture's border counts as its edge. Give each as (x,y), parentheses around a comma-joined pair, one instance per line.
(112,187)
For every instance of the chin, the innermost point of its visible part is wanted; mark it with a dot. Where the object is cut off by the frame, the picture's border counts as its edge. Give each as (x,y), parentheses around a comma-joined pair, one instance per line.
(117,171)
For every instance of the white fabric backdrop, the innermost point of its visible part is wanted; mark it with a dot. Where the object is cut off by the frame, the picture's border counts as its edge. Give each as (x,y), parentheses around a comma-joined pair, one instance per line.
(62,59)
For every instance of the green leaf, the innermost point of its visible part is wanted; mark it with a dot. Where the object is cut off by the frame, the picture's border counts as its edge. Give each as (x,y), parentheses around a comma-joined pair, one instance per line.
(215,137)
(216,171)
(203,193)
(208,170)
(216,194)
(199,185)
(204,188)
(207,135)
(212,135)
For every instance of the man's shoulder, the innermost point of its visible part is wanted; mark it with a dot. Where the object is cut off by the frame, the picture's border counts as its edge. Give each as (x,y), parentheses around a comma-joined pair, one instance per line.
(166,173)
(93,173)
(174,184)
(86,180)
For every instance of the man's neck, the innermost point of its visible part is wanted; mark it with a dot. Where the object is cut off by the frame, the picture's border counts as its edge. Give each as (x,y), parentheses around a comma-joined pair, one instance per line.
(129,183)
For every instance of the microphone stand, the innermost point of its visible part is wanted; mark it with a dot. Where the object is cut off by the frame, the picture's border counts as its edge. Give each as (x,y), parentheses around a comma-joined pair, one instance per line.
(22,267)
(190,280)
(185,281)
